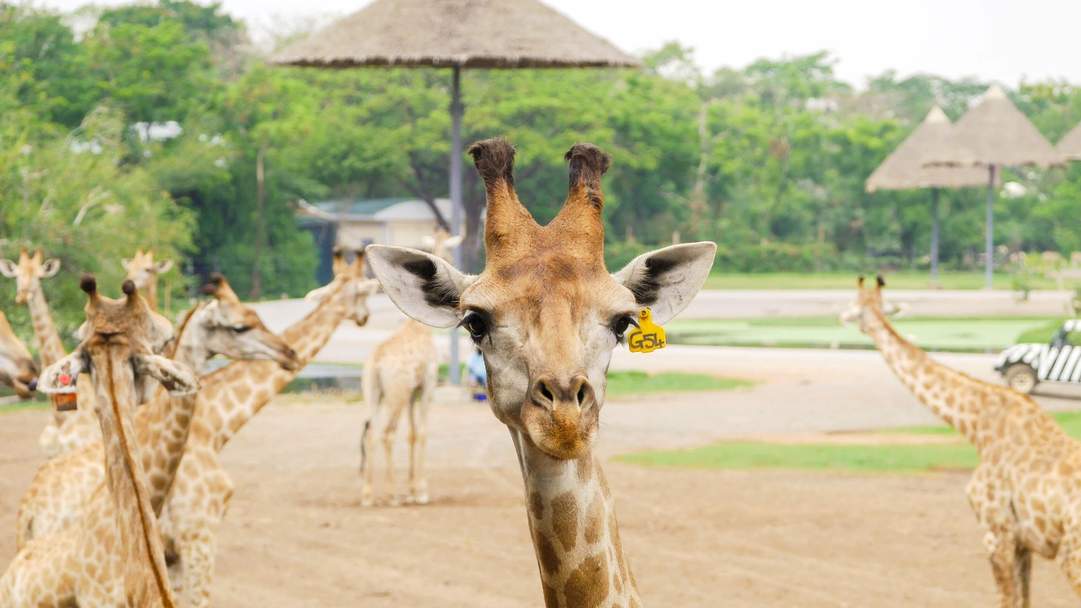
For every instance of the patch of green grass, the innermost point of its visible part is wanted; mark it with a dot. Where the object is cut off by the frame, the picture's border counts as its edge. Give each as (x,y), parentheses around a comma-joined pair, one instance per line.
(883,458)
(858,458)
(847,280)
(972,334)
(1041,333)
(629,383)
(18,406)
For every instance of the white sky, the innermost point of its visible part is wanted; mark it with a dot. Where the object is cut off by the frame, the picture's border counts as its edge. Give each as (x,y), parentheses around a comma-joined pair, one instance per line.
(1002,40)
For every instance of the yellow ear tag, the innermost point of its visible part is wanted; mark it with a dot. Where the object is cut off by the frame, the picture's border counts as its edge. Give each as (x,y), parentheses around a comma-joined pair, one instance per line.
(648,336)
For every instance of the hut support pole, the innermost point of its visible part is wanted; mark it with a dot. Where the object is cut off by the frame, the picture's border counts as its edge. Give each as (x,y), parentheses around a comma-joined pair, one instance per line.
(934,236)
(990,249)
(456,111)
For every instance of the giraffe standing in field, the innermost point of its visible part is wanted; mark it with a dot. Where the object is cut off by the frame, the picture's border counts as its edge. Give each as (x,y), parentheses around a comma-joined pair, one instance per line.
(400,375)
(17,367)
(1026,491)
(546,316)
(64,484)
(144,271)
(115,558)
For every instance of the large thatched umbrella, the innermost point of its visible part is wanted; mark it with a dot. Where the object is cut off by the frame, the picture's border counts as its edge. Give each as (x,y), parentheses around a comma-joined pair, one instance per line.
(455,34)
(995,134)
(905,169)
(1069,147)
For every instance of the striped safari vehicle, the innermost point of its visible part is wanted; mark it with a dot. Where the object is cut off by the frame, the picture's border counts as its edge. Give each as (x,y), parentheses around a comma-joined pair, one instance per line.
(1023,366)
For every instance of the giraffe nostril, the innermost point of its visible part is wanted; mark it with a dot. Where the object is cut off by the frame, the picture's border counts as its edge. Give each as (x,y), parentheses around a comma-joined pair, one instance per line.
(546,393)
(582,394)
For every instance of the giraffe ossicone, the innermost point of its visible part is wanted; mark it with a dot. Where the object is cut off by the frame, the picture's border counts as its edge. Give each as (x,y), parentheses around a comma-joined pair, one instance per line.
(546,316)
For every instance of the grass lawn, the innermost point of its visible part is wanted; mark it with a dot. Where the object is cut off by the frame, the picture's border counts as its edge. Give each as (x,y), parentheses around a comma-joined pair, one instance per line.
(987,334)
(630,383)
(882,458)
(18,406)
(847,280)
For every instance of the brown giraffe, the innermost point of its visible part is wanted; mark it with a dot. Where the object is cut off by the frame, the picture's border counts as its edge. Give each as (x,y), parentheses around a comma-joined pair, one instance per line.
(113,557)
(546,316)
(144,271)
(401,373)
(1026,491)
(17,367)
(64,484)
(28,272)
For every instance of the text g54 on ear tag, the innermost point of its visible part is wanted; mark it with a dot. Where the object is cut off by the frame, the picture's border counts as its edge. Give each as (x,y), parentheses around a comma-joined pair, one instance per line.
(648,336)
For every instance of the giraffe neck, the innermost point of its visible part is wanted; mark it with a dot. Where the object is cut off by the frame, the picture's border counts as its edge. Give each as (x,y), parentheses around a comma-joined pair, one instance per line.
(234,394)
(50,347)
(140,540)
(151,293)
(952,396)
(162,425)
(572,521)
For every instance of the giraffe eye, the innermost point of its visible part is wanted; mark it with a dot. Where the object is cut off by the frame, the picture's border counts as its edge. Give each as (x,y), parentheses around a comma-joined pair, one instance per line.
(620,324)
(240,328)
(477,326)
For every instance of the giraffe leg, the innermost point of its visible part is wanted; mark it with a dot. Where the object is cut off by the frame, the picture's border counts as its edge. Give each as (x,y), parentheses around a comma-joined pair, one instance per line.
(394,412)
(418,438)
(197,550)
(372,399)
(1024,574)
(1007,568)
(1069,558)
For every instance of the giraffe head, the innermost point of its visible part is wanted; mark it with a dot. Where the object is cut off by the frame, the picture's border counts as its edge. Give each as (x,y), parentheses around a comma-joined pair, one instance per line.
(545,312)
(227,327)
(17,367)
(143,270)
(348,284)
(870,309)
(119,343)
(28,272)
(442,244)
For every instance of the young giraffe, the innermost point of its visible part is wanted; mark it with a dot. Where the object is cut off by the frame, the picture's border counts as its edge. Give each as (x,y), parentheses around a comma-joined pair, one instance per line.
(17,367)
(115,556)
(546,316)
(1026,492)
(223,326)
(402,373)
(144,271)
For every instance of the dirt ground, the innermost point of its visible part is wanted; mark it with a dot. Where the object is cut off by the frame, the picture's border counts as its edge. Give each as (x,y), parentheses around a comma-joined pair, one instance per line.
(296,535)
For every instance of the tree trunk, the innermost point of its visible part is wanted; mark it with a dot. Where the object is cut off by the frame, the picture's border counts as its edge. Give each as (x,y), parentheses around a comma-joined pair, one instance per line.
(260,224)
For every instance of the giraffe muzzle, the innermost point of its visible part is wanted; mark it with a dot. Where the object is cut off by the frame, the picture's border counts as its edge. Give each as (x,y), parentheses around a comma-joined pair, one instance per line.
(561,415)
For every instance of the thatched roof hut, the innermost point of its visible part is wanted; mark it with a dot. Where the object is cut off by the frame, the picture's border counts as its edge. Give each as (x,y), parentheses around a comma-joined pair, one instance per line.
(1069,147)
(455,33)
(905,168)
(995,132)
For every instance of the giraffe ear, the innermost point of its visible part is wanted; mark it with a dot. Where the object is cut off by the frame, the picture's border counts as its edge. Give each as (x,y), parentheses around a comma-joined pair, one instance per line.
(50,268)
(8,269)
(163,267)
(179,380)
(666,280)
(425,287)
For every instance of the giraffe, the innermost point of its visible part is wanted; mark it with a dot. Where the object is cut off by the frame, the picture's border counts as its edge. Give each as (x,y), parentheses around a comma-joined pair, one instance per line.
(223,326)
(144,271)
(402,373)
(17,367)
(546,316)
(231,397)
(399,375)
(28,272)
(1026,492)
(115,556)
